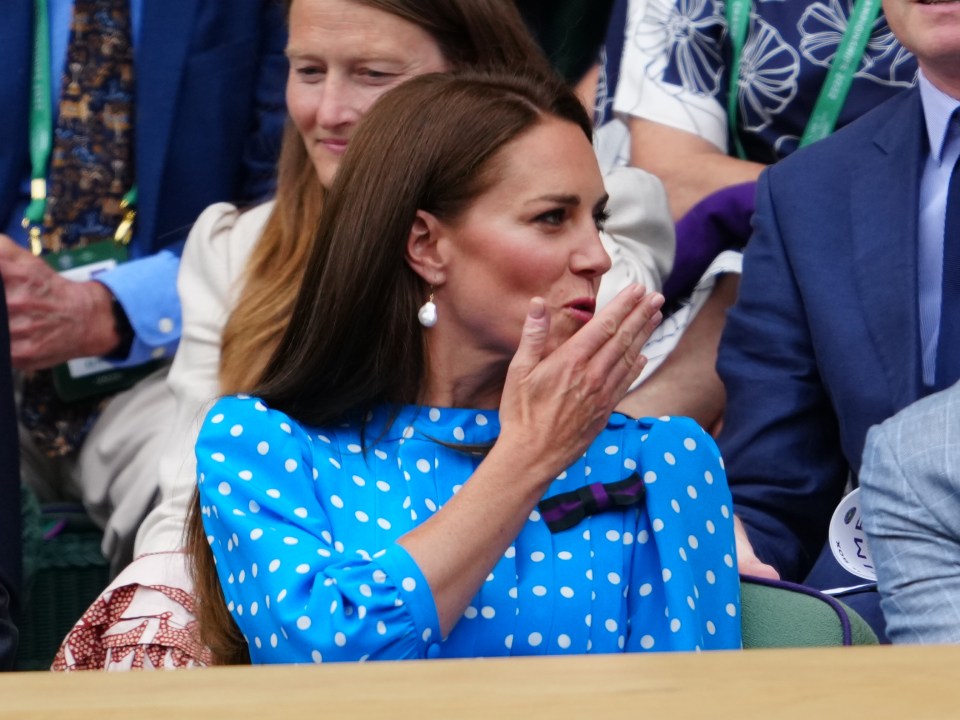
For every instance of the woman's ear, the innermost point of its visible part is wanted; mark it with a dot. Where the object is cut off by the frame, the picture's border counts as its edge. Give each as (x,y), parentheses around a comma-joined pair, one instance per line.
(423,252)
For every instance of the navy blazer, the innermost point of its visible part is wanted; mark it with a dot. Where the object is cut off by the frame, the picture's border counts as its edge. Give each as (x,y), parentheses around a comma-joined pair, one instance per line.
(210,77)
(824,339)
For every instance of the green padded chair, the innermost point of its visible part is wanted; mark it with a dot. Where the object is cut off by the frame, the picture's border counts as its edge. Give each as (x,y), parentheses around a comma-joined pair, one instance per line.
(64,571)
(780,614)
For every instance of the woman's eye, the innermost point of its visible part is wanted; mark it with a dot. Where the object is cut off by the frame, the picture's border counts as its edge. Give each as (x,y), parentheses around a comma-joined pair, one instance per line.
(551,217)
(376,75)
(600,218)
(310,72)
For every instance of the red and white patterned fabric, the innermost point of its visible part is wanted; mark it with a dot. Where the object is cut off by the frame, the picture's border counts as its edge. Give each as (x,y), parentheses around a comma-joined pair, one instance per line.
(144,620)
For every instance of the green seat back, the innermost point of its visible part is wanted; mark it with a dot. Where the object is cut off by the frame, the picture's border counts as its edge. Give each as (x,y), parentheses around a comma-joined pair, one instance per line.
(778,614)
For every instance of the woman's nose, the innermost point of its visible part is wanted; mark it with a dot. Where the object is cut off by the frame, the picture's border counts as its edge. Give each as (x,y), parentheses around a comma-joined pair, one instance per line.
(590,258)
(337,104)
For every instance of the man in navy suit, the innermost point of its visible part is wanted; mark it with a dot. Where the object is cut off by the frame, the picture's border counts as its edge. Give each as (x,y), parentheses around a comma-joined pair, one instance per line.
(835,328)
(10,537)
(209,79)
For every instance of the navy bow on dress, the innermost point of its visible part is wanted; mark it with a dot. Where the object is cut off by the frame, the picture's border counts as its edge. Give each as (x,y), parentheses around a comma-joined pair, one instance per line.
(565,510)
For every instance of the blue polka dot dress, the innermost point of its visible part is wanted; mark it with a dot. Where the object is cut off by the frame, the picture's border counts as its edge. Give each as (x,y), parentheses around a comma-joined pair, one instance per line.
(303,524)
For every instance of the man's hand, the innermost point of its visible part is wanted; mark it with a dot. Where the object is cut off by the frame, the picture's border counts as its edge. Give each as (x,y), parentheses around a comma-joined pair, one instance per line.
(52,319)
(747,561)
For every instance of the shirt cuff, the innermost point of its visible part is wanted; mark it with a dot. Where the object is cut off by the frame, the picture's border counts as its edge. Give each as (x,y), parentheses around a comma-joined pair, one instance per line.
(147,291)
(415,593)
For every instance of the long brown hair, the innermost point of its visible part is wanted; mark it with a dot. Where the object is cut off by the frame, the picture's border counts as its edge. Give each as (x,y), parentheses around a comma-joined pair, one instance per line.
(353,340)
(471,34)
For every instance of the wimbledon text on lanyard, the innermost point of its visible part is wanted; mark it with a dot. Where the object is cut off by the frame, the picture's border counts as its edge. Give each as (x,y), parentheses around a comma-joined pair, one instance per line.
(835,88)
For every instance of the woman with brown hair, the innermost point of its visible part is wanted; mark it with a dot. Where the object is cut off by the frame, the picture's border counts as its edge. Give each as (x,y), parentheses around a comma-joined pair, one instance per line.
(241,268)
(431,468)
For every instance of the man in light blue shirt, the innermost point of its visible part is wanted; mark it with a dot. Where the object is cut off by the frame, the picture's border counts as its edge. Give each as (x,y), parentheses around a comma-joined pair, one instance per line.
(209,79)
(835,328)
(943,134)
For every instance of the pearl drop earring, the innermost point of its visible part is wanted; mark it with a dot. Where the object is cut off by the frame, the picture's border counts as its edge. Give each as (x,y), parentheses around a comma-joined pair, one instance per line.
(427,315)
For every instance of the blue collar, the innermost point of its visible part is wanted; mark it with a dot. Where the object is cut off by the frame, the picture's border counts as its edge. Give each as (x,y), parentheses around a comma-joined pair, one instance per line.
(938,109)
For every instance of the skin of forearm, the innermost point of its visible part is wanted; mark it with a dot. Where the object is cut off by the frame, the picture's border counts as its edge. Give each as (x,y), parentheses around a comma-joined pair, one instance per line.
(687,382)
(459,545)
(690,167)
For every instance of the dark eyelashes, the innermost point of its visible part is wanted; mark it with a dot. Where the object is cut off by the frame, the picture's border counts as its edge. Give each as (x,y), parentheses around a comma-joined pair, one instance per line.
(553,217)
(558,215)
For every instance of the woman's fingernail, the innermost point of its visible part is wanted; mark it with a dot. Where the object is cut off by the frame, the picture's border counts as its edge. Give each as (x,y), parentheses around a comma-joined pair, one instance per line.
(537,308)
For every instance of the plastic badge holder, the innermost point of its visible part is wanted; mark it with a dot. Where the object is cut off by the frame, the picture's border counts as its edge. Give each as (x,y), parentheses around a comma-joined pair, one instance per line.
(88,377)
(848,541)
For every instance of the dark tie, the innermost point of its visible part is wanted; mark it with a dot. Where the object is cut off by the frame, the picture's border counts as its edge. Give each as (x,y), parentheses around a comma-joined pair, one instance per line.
(90,171)
(948,346)
(92,164)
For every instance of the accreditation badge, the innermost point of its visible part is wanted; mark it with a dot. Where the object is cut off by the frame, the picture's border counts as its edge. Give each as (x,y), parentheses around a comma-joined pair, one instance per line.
(848,540)
(88,377)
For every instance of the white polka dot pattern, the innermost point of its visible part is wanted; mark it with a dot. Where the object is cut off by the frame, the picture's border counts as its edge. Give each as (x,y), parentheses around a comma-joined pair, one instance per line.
(305,523)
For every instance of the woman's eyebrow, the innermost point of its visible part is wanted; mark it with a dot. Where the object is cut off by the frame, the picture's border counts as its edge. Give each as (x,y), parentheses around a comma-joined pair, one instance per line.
(560,199)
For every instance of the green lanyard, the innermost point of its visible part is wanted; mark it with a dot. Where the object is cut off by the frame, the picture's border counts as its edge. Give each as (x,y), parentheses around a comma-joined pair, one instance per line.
(41,139)
(41,125)
(835,88)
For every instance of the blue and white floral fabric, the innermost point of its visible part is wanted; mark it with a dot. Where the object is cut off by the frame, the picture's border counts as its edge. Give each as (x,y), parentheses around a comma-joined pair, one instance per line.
(676,55)
(304,522)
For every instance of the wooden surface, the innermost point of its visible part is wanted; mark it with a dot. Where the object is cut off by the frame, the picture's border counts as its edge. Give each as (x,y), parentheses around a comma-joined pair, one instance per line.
(867,682)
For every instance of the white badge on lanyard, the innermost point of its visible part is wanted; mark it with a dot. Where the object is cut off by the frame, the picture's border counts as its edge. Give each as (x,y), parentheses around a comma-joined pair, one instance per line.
(848,541)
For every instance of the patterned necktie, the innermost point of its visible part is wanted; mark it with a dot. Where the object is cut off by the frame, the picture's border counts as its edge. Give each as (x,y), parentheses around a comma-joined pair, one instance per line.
(948,344)
(92,164)
(90,171)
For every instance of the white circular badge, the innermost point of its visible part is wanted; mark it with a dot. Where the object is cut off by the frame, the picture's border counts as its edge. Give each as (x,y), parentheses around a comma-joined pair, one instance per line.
(848,541)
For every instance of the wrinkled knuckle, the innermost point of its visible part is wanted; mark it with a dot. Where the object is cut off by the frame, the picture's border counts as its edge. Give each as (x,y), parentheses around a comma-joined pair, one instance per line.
(609,326)
(579,367)
(631,358)
(17,304)
(21,329)
(23,354)
(593,382)
(625,340)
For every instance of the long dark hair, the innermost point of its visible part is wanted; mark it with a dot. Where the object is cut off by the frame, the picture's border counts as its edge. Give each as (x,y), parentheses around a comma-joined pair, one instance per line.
(353,340)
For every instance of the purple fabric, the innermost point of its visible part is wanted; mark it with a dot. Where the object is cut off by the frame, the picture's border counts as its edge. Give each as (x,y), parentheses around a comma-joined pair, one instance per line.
(565,510)
(600,496)
(719,222)
(561,511)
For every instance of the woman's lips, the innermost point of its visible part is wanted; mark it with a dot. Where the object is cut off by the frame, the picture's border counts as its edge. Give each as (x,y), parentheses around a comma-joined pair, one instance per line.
(335,146)
(583,309)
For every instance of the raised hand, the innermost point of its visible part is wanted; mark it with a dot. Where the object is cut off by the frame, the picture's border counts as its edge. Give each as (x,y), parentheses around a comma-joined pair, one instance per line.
(553,406)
